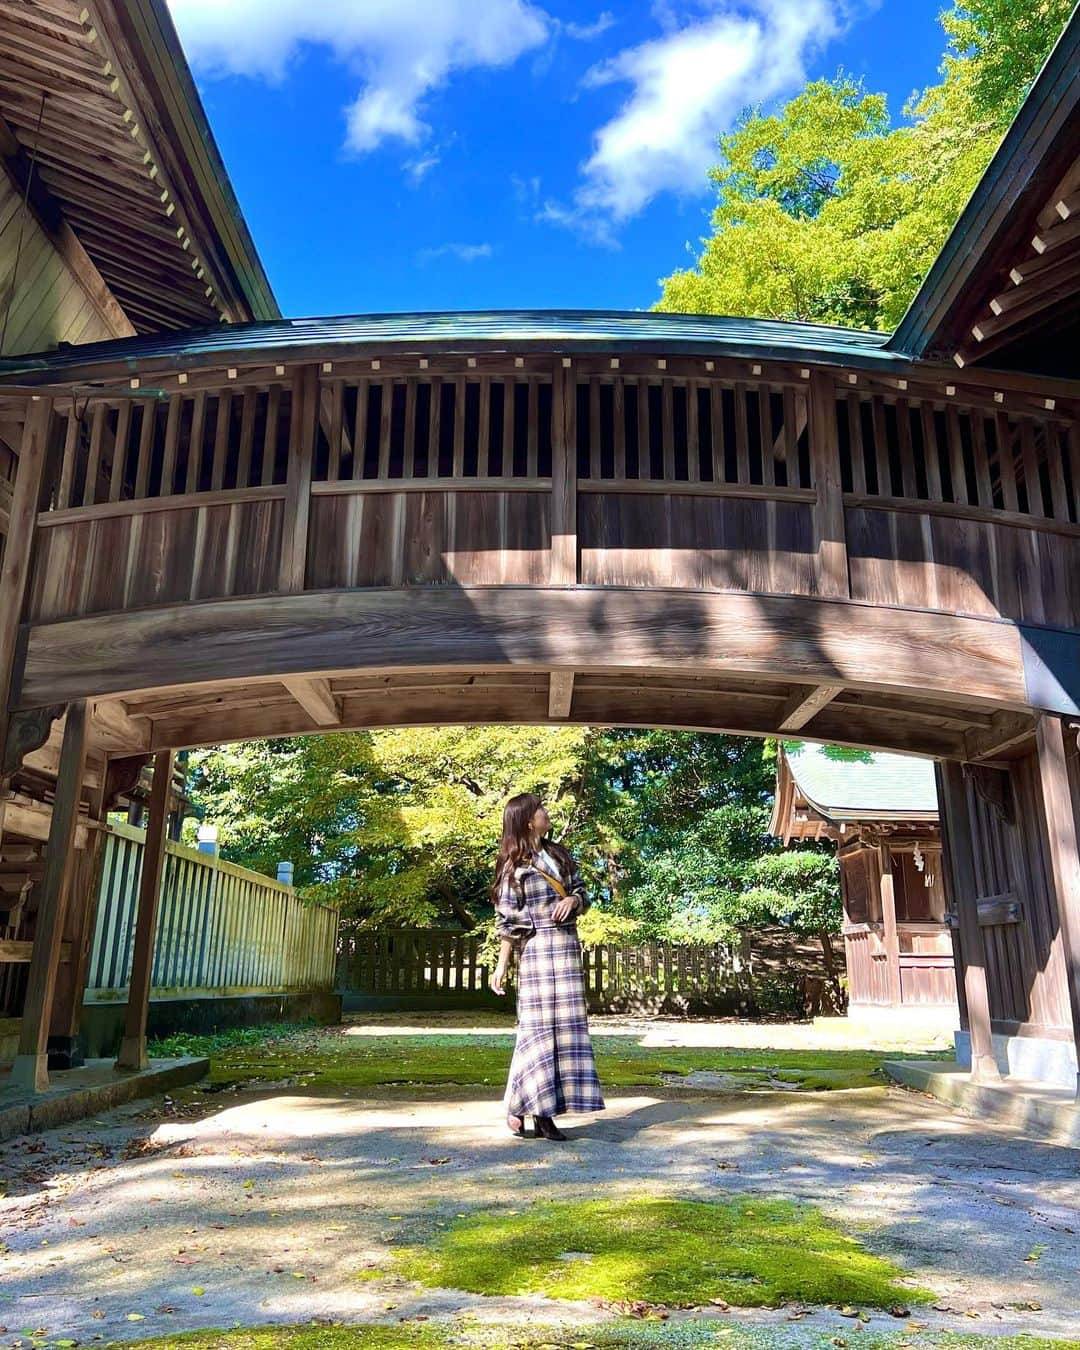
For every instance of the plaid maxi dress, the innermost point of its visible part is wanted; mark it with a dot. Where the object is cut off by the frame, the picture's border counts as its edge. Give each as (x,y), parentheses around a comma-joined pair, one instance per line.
(552,1071)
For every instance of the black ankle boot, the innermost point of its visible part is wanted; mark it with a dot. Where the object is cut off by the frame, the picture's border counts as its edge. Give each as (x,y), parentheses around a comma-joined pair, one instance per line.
(547,1127)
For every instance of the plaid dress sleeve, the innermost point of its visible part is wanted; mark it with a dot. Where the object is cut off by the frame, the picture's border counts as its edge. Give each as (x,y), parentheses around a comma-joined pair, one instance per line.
(512,918)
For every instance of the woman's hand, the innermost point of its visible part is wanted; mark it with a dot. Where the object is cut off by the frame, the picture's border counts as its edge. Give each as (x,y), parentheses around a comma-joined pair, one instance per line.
(498,980)
(565,908)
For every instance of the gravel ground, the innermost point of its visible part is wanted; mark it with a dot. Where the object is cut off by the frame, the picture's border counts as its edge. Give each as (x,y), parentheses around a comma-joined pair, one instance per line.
(209,1209)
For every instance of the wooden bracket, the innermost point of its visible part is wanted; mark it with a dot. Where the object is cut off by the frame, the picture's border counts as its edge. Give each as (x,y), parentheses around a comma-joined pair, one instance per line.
(27,731)
(121,776)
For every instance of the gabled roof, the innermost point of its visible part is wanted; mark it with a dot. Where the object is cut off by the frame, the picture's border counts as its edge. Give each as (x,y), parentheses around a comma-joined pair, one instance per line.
(1023,211)
(99,114)
(873,786)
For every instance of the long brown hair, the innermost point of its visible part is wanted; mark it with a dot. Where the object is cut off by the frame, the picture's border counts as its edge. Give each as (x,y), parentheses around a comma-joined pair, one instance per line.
(515,846)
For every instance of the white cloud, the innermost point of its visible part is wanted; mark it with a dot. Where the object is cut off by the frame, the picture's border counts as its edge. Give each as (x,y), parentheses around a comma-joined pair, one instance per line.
(585,32)
(418,169)
(686,86)
(400,50)
(466,253)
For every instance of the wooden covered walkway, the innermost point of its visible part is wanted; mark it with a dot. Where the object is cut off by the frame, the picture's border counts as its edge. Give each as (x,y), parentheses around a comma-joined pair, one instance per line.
(278,527)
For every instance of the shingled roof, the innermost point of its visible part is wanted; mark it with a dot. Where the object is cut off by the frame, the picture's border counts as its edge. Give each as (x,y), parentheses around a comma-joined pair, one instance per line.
(875,786)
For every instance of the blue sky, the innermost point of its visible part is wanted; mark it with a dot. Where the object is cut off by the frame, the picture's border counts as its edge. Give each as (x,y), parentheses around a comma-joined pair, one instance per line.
(460,154)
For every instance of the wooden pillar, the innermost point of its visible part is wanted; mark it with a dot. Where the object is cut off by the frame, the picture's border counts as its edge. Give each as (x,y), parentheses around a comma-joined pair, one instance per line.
(133,1047)
(80,915)
(958,857)
(303,421)
(564,511)
(31,1063)
(829,520)
(15,568)
(1063,838)
(888,923)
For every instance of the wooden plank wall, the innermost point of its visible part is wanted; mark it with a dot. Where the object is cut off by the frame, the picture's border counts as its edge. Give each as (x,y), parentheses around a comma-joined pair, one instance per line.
(221,929)
(667,479)
(47,303)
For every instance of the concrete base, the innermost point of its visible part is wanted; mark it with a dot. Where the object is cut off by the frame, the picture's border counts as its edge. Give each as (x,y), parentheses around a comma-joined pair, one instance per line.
(96,1086)
(101,1027)
(1038,1059)
(1033,1109)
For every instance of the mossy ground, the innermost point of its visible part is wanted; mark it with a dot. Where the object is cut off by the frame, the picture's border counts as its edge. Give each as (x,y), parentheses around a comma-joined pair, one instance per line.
(748,1250)
(329,1059)
(688,1335)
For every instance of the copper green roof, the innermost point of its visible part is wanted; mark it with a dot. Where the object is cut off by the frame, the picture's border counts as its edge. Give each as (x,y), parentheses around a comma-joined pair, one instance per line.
(497,330)
(863,785)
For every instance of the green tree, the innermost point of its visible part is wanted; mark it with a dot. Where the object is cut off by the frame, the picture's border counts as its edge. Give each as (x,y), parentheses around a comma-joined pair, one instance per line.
(826,212)
(799,888)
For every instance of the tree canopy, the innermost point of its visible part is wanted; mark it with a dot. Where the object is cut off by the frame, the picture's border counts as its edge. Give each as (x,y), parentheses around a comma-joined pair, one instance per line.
(828,212)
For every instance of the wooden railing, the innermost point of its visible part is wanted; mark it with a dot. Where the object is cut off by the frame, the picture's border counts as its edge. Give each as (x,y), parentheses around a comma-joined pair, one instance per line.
(633,471)
(221,929)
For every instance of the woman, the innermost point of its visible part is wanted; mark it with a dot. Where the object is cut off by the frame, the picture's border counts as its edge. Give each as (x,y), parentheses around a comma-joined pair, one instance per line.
(538,895)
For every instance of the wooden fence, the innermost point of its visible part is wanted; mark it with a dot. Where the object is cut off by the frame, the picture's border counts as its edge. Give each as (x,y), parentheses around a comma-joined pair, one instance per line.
(222,930)
(431,967)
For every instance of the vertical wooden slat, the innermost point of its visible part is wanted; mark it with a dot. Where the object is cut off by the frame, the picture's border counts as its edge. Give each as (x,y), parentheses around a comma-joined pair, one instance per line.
(221,440)
(72,441)
(119,458)
(532,444)
(408,466)
(693,433)
(458,463)
(434,427)
(855,439)
(768,445)
(667,427)
(483,430)
(564,512)
(1055,461)
(792,412)
(618,394)
(881,446)
(93,459)
(1074,467)
(386,418)
(363,391)
(716,419)
(931,452)
(957,472)
(644,422)
(594,427)
(305,395)
(742,436)
(984,489)
(906,449)
(830,525)
(1032,481)
(172,441)
(334,449)
(195,445)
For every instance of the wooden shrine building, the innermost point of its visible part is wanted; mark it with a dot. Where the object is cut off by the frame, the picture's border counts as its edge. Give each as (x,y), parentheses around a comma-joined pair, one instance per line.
(881,812)
(222,524)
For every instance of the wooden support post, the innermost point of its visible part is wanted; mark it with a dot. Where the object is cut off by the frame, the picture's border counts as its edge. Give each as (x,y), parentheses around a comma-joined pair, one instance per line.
(1062,810)
(31,1067)
(829,520)
(958,858)
(303,421)
(564,529)
(22,522)
(80,914)
(133,1047)
(888,923)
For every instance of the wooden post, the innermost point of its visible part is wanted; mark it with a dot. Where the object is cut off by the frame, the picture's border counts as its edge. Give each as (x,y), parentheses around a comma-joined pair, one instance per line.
(80,913)
(958,858)
(1063,837)
(564,532)
(303,421)
(887,887)
(133,1047)
(15,569)
(31,1067)
(829,521)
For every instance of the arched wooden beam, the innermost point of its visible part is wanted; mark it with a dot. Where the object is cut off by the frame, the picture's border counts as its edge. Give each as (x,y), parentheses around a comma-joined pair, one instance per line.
(837,642)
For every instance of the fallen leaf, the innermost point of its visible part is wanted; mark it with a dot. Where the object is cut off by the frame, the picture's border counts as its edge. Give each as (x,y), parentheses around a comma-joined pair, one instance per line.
(898,1310)
(136,1317)
(848,1311)
(198,1291)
